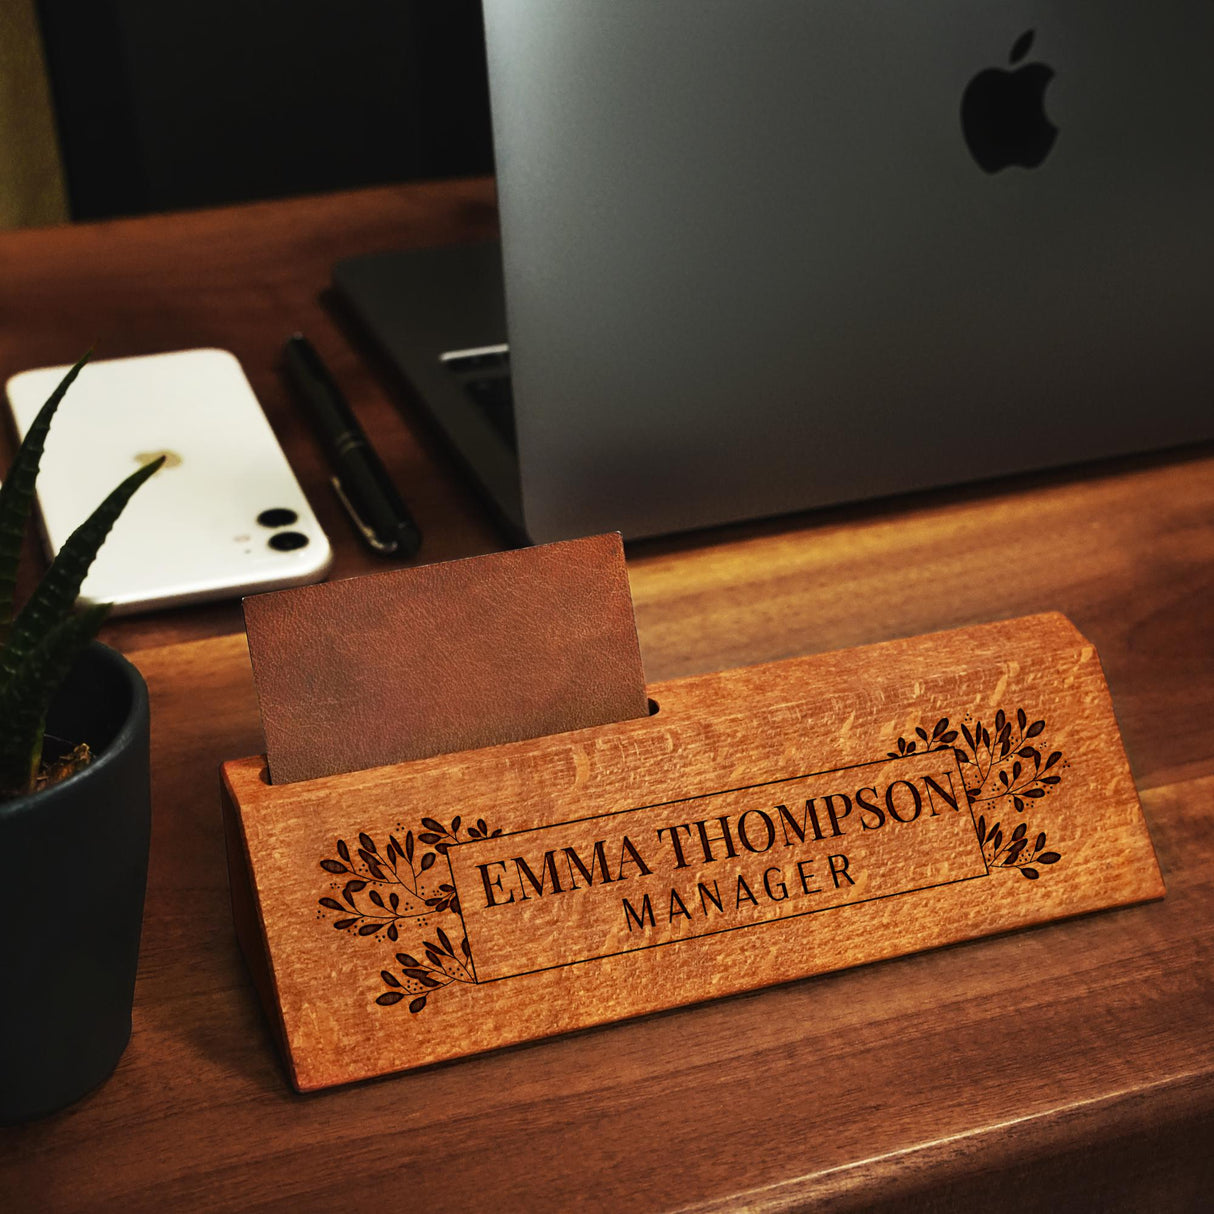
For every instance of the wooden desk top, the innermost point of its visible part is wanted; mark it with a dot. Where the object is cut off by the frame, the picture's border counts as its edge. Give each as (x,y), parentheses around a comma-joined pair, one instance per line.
(1066,1067)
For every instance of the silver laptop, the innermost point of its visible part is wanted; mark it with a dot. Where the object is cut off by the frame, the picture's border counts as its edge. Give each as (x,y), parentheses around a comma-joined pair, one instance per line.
(764,255)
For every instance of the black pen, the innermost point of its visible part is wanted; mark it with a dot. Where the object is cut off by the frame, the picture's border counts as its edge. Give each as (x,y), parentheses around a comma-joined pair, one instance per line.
(360,479)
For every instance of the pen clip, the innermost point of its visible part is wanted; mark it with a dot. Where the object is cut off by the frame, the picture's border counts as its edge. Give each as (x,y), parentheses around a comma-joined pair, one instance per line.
(366,532)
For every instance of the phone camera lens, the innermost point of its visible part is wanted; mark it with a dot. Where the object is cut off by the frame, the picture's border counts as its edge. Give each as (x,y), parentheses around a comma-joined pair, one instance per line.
(279,516)
(286,541)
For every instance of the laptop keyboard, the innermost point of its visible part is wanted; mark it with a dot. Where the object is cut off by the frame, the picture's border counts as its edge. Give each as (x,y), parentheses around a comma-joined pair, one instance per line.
(484,374)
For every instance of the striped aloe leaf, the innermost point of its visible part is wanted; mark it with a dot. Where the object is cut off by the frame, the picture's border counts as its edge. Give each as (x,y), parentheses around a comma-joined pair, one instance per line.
(56,593)
(17,495)
(26,696)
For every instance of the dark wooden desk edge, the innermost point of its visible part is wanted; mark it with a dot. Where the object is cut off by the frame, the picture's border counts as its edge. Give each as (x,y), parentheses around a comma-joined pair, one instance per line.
(1066,1148)
(1046,1161)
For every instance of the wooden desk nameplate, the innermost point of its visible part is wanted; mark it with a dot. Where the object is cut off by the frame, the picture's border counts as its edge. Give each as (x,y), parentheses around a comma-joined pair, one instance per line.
(764,825)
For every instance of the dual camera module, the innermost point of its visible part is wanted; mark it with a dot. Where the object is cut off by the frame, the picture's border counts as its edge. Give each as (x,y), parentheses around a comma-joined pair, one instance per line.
(282,541)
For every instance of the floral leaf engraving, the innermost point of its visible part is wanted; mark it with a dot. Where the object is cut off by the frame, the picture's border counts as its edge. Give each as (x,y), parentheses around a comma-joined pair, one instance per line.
(1004,766)
(393,894)
(1017,853)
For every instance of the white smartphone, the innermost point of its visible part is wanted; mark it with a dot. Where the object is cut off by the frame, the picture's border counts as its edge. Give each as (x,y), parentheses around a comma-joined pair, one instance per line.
(224,517)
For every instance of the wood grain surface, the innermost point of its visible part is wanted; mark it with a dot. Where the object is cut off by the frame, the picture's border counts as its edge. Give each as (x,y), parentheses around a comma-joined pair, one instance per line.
(1066,1067)
(766,824)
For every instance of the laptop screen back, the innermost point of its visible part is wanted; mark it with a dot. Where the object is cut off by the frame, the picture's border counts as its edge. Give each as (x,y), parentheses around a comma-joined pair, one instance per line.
(757,259)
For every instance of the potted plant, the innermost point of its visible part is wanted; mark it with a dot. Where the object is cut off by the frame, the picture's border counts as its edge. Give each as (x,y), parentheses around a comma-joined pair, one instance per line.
(74,810)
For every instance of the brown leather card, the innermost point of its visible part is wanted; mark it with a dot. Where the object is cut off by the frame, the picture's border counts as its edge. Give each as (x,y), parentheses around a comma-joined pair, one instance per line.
(453,656)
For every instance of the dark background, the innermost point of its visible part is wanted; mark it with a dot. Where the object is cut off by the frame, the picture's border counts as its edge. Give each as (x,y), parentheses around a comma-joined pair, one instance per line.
(167,104)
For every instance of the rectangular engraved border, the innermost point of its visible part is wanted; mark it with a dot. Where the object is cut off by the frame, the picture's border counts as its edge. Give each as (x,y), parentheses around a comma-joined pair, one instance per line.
(773,922)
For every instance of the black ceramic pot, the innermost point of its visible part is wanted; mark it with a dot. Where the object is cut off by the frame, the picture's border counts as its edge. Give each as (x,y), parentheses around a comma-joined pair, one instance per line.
(73,867)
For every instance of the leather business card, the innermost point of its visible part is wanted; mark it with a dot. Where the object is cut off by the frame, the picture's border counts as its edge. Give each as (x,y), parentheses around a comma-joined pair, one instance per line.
(452,656)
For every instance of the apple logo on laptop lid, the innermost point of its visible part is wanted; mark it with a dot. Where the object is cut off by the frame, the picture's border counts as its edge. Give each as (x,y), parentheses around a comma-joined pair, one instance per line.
(1003,113)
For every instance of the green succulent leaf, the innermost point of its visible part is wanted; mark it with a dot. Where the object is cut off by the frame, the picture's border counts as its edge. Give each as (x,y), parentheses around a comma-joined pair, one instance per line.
(27,695)
(17,495)
(56,594)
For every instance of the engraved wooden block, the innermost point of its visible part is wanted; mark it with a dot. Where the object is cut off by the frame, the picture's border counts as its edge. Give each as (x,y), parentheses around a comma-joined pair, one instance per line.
(764,825)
